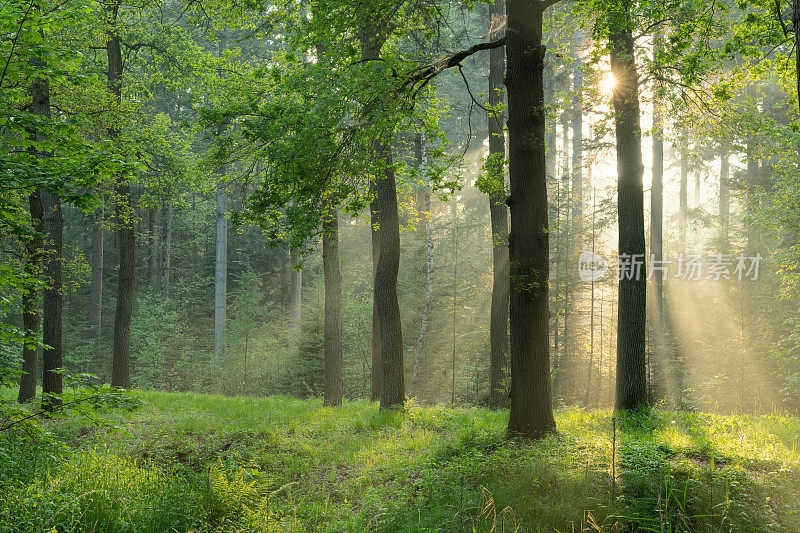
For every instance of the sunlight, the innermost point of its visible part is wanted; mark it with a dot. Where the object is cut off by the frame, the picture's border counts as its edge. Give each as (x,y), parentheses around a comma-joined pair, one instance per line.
(608,83)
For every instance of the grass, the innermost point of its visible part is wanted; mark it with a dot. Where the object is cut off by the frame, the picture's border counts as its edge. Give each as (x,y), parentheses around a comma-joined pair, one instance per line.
(195,462)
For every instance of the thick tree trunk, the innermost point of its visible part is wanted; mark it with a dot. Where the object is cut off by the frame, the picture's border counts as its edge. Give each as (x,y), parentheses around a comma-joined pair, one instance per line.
(631,389)
(30,306)
(52,352)
(167,264)
(333,309)
(120,366)
(498,322)
(96,285)
(221,269)
(392,378)
(531,414)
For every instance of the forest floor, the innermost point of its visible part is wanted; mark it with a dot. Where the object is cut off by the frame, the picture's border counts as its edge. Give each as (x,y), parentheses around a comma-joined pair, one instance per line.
(194,462)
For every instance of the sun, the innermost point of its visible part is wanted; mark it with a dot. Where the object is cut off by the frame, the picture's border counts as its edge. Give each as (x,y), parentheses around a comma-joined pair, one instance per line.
(608,83)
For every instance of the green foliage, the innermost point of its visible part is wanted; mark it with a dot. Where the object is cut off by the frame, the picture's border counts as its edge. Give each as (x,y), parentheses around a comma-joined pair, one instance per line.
(211,463)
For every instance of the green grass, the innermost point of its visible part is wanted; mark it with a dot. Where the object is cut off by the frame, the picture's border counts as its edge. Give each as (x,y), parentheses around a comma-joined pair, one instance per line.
(194,462)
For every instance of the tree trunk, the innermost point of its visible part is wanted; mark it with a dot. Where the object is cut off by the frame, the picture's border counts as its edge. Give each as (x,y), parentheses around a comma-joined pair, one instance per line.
(120,368)
(52,353)
(221,268)
(631,389)
(52,225)
(531,414)
(153,238)
(370,51)
(724,198)
(392,378)
(425,227)
(165,277)
(577,128)
(550,126)
(295,295)
(30,306)
(683,207)
(96,285)
(498,321)
(333,309)
(657,249)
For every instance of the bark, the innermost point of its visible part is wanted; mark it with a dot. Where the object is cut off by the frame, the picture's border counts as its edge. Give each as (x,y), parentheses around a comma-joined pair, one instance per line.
(531,413)
(370,51)
(498,211)
(392,373)
(631,387)
(333,309)
(30,307)
(221,268)
(166,266)
(52,225)
(120,367)
(52,352)
(96,284)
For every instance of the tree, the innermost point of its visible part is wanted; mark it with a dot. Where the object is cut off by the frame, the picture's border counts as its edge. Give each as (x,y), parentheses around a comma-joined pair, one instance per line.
(30,304)
(531,414)
(498,329)
(333,309)
(631,387)
(120,368)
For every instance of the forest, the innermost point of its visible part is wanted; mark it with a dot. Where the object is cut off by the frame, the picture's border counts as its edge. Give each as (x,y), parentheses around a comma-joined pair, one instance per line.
(400,265)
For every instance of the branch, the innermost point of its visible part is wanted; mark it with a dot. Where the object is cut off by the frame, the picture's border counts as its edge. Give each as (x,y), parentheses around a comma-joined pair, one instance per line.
(431,71)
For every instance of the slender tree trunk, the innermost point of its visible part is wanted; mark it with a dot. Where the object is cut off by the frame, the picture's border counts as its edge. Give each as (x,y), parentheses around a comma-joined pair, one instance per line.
(153,238)
(295,295)
(52,353)
(425,228)
(52,300)
(333,309)
(30,306)
(221,264)
(724,198)
(120,371)
(96,284)
(683,199)
(550,125)
(531,414)
(498,322)
(796,27)
(577,128)
(221,268)
(656,248)
(165,278)
(631,389)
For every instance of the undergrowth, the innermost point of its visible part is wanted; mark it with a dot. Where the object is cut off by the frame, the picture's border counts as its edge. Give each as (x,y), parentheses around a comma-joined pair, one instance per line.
(194,462)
